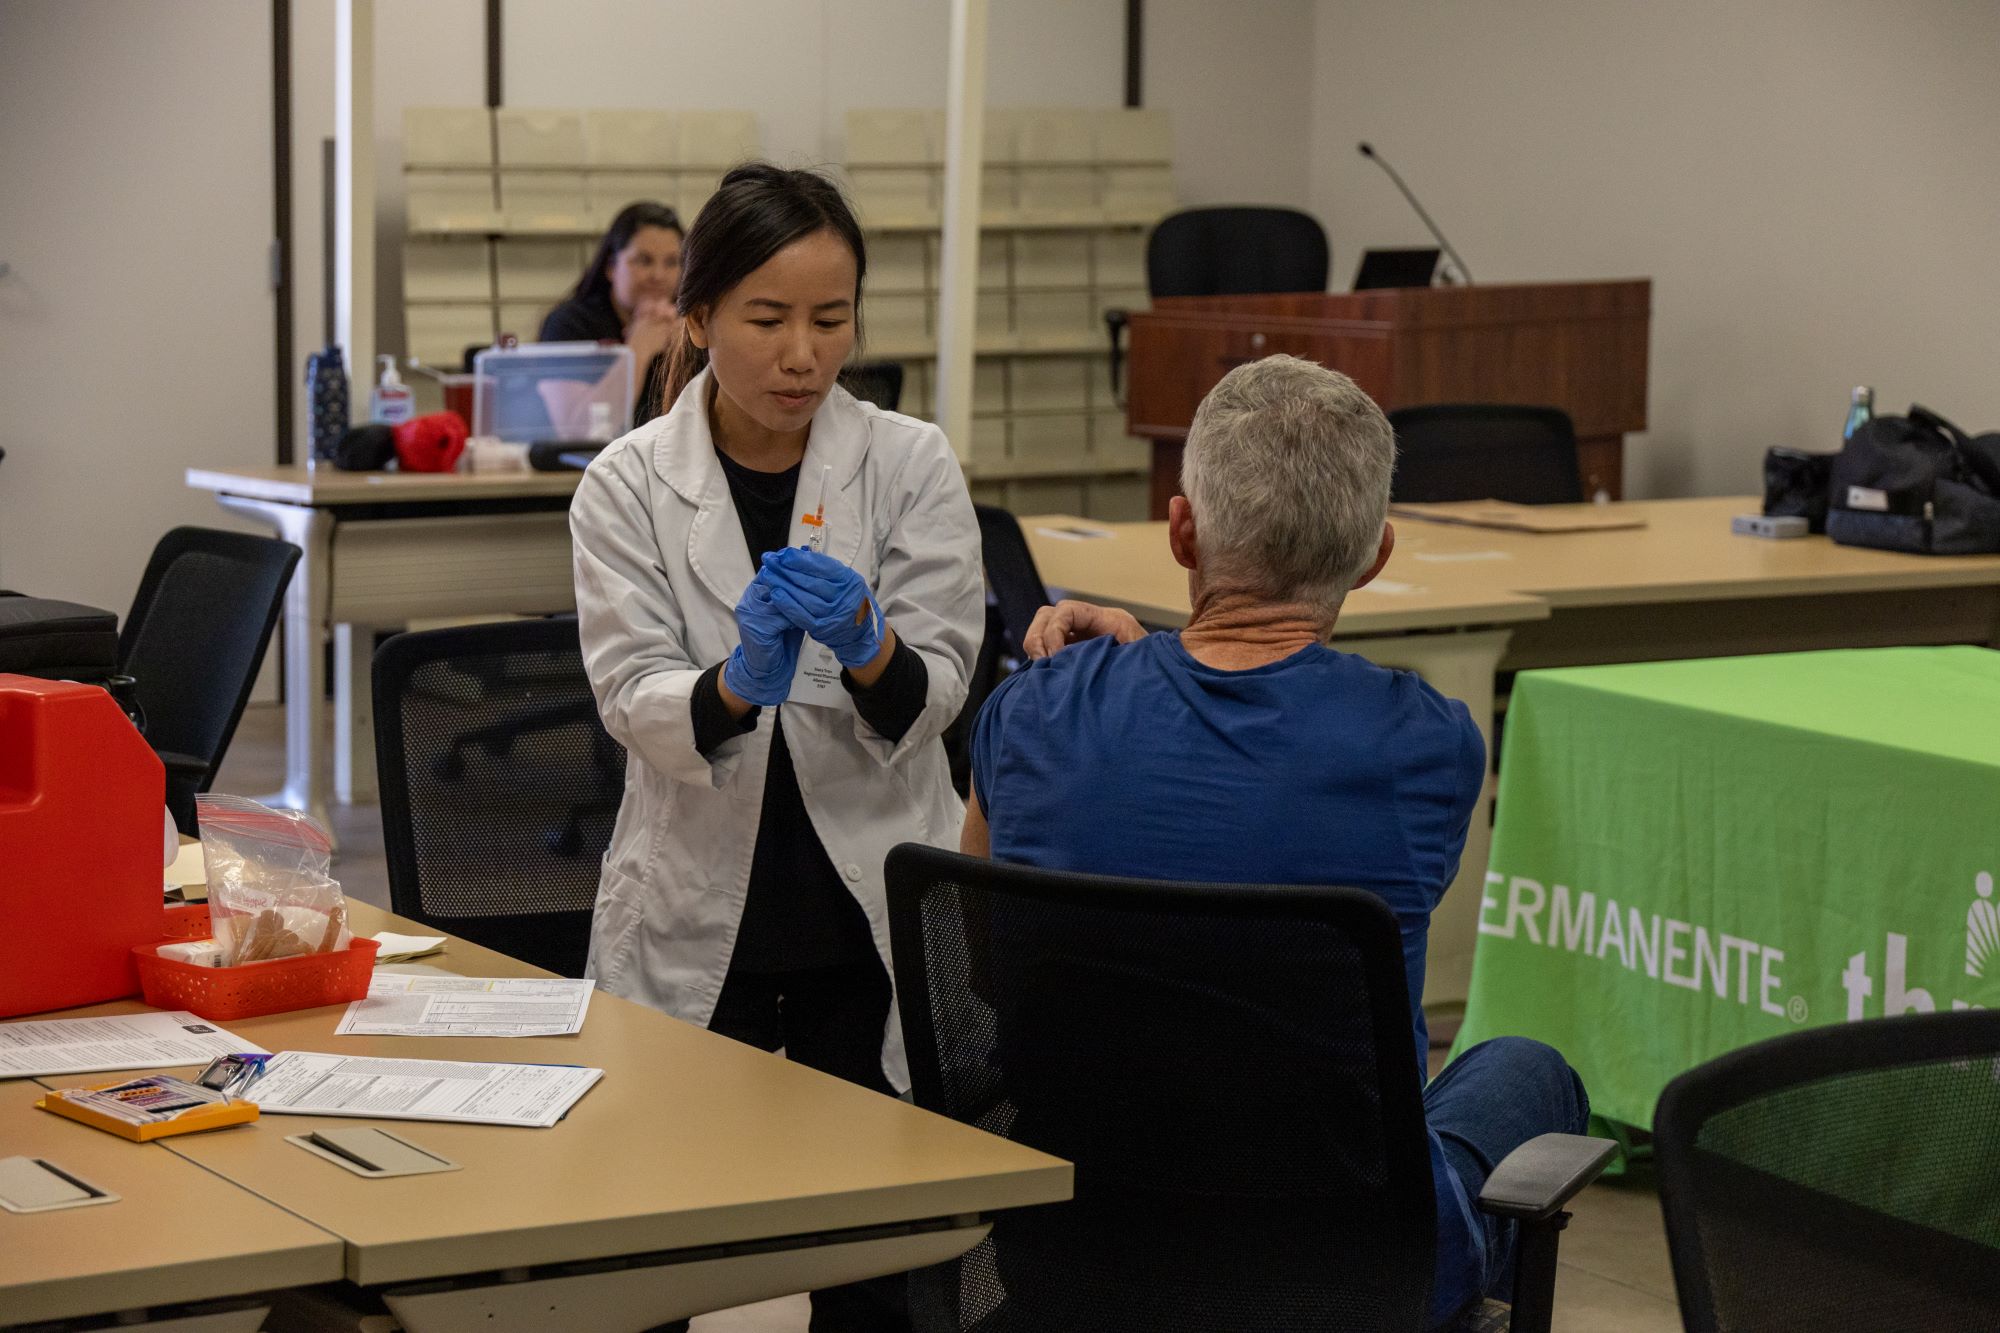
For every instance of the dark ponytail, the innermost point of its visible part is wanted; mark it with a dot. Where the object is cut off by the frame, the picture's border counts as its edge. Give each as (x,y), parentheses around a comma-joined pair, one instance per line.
(756,211)
(595,284)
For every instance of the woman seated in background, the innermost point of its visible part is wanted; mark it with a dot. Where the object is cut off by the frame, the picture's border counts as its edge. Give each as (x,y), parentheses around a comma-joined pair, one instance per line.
(626,295)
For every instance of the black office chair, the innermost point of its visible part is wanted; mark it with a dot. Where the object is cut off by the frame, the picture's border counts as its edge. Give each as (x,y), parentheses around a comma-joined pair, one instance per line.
(1839,1178)
(877,382)
(1014,592)
(1017,587)
(1485,451)
(1237,251)
(1231,1070)
(193,643)
(499,785)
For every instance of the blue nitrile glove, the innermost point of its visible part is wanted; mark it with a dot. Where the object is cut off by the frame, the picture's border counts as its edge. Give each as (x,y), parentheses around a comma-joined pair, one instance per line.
(760,667)
(827,600)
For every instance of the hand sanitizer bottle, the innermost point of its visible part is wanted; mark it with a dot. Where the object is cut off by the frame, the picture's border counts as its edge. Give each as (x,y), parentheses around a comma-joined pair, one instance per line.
(392,403)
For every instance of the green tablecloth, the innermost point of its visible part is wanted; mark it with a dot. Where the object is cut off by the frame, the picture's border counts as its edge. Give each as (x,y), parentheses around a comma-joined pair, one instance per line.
(1693,856)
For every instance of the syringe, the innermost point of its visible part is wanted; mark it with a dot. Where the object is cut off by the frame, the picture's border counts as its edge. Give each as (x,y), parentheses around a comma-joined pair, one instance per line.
(816,521)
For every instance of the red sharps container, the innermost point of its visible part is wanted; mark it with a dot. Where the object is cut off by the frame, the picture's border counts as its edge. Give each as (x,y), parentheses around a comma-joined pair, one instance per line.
(82,802)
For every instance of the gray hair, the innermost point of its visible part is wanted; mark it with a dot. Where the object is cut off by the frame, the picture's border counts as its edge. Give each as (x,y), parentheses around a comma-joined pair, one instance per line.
(1287,470)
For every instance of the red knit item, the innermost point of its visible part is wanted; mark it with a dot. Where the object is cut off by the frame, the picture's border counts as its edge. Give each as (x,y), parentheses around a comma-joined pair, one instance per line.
(430,444)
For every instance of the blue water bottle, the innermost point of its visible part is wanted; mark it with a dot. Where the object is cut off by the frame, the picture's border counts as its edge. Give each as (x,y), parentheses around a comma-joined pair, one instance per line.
(326,390)
(1860,407)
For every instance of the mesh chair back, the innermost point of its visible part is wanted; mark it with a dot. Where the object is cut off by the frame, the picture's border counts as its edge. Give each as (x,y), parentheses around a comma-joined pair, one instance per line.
(1236,251)
(499,785)
(1839,1179)
(877,382)
(1018,590)
(1230,1068)
(195,637)
(1485,451)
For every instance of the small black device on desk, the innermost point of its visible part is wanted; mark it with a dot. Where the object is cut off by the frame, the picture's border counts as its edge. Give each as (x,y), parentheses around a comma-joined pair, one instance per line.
(563,455)
(1413,267)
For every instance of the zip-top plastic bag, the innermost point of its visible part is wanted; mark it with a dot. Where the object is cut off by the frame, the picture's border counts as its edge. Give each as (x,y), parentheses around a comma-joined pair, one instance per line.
(269,893)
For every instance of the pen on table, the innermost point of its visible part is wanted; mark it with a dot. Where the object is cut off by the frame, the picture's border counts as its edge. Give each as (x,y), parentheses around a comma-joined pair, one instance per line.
(254,1067)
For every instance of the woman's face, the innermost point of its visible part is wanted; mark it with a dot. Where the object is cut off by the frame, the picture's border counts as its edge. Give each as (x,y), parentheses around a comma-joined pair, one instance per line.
(778,338)
(648,268)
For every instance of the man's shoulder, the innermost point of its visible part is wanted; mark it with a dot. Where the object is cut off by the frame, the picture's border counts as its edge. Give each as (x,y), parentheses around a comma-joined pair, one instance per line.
(1078,669)
(1404,688)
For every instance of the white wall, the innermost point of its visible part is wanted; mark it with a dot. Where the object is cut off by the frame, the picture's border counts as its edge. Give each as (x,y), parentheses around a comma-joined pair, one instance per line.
(136,326)
(1811,184)
(1237,79)
(800,65)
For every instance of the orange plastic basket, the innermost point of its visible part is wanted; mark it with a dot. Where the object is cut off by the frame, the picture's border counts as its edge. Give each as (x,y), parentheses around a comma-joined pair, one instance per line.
(276,987)
(188,921)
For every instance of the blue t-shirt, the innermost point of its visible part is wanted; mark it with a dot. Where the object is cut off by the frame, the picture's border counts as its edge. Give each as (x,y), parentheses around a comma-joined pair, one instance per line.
(1323,767)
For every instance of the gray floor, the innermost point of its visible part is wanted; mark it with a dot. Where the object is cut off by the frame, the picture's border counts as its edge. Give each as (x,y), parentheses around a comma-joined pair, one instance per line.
(1614,1276)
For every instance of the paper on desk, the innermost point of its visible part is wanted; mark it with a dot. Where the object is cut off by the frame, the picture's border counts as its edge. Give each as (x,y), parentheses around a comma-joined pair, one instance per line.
(401,1005)
(125,1041)
(313,1083)
(1459,557)
(1512,517)
(1075,532)
(188,867)
(187,874)
(402,948)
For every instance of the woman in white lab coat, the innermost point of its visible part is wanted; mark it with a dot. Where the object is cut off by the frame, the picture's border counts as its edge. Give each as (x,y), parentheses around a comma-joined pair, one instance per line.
(782,707)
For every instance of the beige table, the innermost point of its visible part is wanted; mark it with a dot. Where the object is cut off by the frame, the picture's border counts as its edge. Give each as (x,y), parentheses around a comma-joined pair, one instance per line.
(1685,586)
(176,1235)
(699,1174)
(382,549)
(1463,604)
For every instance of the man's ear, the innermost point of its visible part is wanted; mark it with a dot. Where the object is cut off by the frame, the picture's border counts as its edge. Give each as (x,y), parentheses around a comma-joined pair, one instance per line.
(696,322)
(1382,553)
(1180,531)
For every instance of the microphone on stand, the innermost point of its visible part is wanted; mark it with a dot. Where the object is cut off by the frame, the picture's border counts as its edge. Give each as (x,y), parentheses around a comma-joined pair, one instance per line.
(1368,151)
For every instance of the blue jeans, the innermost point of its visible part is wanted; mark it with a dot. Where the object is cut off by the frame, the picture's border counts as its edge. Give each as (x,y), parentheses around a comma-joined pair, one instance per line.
(1488,1102)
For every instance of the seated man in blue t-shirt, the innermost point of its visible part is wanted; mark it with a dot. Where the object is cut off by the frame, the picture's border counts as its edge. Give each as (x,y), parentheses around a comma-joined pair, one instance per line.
(1245,749)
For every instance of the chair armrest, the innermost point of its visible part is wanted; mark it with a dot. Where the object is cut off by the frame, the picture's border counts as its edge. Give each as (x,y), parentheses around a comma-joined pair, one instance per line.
(1535,1180)
(181,765)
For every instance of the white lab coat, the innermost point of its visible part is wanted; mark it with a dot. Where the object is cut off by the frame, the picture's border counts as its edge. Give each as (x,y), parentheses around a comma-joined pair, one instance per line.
(660,564)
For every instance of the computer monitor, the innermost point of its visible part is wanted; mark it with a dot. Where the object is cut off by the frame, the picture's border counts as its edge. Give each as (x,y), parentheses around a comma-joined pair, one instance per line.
(569,392)
(1413,267)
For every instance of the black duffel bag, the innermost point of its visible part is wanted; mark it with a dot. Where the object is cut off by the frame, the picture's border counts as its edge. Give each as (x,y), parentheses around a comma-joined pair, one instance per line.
(1916,483)
(40,636)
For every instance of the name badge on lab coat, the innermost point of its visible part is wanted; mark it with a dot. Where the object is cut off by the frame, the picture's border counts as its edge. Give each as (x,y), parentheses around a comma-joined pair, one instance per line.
(817,681)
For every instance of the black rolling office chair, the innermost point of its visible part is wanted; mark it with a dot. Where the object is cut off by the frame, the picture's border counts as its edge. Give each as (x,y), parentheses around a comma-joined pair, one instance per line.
(877,382)
(1017,587)
(193,642)
(1839,1178)
(1249,1140)
(1228,252)
(1485,451)
(1014,592)
(499,785)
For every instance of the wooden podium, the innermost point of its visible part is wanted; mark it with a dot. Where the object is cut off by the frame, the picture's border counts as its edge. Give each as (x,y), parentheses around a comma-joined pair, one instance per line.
(1580,346)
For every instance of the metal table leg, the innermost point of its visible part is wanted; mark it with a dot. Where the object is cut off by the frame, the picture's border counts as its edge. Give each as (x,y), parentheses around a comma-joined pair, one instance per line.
(306,602)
